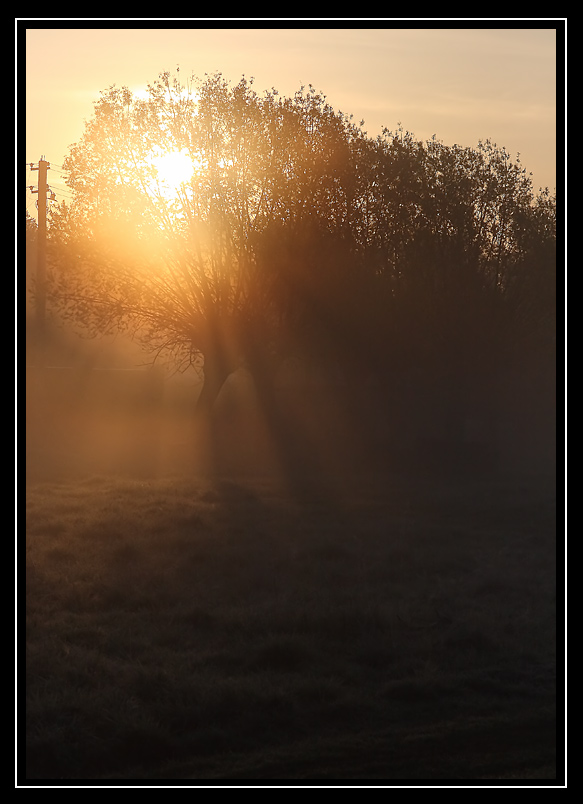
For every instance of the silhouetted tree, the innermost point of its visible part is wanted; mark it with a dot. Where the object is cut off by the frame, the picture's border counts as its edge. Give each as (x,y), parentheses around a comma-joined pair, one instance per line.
(297,234)
(181,271)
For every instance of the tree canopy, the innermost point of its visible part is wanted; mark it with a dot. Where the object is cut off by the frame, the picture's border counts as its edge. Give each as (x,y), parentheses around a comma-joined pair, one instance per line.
(294,232)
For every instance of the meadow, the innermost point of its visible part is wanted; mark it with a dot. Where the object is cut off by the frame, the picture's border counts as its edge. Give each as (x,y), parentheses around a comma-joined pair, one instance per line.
(395,629)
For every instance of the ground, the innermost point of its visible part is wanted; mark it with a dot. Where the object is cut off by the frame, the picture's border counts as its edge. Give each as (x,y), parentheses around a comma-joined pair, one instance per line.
(384,628)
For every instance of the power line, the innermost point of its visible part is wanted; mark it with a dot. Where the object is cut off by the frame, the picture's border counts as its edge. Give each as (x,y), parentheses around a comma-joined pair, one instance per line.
(67,196)
(60,185)
(54,188)
(59,180)
(57,186)
(52,165)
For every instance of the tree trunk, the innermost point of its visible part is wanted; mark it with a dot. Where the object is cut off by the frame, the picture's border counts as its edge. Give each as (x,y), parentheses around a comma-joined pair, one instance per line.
(213,380)
(215,372)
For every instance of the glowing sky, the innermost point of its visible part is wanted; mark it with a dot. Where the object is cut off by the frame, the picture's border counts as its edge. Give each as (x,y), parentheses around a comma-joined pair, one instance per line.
(462,85)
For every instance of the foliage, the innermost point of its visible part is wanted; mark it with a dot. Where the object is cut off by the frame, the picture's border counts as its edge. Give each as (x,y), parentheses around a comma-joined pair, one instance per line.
(298,234)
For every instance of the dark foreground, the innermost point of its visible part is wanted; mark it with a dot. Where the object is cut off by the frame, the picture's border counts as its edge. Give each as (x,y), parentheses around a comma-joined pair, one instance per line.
(383,630)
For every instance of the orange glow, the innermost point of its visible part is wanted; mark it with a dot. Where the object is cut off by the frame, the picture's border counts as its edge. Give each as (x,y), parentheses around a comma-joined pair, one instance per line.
(174,168)
(461,84)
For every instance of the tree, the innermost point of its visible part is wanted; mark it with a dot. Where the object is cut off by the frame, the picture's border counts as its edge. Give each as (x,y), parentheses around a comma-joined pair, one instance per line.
(180,269)
(293,232)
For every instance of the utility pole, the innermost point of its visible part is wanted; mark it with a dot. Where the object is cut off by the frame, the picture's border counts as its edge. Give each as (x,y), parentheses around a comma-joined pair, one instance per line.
(41,265)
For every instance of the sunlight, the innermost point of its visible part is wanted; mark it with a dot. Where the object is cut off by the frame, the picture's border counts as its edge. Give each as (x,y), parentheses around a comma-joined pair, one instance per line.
(174,169)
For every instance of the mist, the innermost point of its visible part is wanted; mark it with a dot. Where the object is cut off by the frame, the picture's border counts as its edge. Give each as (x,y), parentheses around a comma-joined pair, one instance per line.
(290,451)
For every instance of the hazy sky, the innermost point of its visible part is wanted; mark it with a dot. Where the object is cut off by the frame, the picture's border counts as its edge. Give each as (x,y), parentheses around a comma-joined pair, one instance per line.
(462,85)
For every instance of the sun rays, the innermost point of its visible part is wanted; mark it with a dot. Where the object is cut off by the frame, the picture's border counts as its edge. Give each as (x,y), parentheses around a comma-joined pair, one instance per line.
(174,169)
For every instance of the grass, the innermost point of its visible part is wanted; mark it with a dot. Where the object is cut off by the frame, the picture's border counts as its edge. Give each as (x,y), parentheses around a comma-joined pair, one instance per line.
(183,629)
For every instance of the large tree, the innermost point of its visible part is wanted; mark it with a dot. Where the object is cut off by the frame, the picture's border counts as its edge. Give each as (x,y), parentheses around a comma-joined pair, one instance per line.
(178,265)
(294,232)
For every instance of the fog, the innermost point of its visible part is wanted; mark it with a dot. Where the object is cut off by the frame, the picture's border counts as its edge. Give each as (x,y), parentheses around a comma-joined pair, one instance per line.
(101,407)
(141,421)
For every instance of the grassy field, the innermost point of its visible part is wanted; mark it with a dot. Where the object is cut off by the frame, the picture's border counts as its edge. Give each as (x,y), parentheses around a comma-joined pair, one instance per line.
(382,630)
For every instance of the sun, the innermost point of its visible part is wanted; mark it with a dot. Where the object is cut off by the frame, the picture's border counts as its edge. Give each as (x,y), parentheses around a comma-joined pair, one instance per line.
(174,168)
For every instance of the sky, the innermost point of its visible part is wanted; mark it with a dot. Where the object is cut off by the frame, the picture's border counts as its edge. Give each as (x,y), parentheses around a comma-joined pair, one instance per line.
(460,84)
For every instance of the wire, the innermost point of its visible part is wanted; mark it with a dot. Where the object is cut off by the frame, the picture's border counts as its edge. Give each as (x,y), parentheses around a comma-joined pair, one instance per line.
(61,185)
(52,165)
(61,191)
(56,187)
(64,195)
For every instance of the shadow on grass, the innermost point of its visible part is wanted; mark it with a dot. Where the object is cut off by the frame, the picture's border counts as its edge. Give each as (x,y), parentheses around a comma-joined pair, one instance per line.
(204,629)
